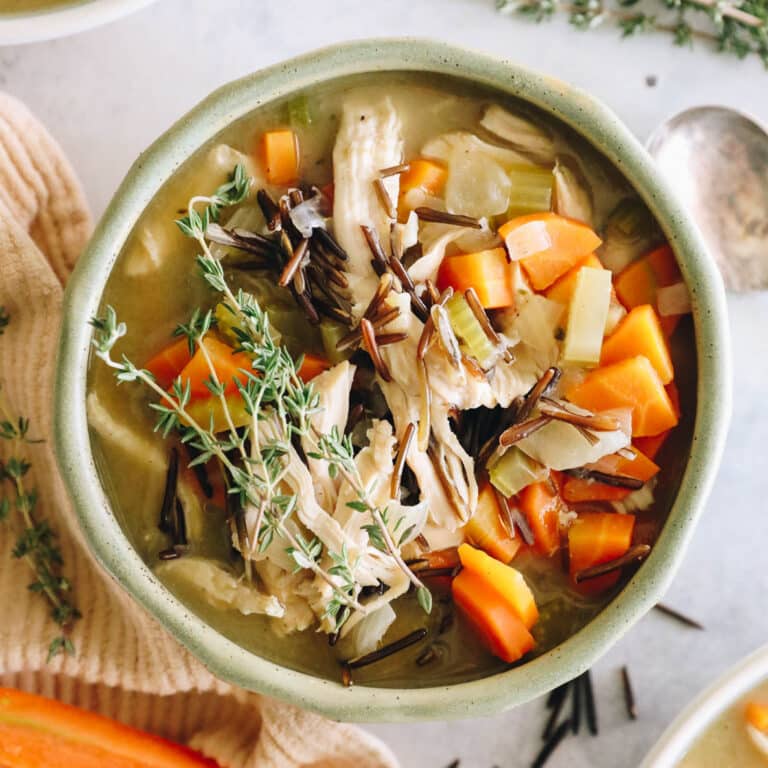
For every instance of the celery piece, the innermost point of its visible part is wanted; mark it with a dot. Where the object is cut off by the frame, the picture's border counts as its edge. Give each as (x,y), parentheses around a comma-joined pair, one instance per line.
(299,113)
(467,327)
(513,470)
(587,316)
(330,334)
(531,190)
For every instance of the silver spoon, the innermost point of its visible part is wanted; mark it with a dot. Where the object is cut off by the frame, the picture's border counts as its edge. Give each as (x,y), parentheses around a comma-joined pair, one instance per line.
(716,160)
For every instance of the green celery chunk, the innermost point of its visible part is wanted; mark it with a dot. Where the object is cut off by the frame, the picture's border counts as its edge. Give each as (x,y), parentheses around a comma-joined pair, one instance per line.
(467,327)
(531,190)
(331,333)
(513,470)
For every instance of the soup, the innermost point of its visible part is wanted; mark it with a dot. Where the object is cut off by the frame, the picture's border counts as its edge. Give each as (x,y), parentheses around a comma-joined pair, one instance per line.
(739,736)
(431,413)
(27,6)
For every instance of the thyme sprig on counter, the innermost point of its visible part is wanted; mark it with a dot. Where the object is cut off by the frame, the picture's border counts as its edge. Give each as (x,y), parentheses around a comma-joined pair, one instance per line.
(280,405)
(36,544)
(739,28)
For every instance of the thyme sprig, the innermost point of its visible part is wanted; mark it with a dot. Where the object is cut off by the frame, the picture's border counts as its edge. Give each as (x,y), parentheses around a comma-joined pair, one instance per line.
(37,543)
(280,406)
(739,28)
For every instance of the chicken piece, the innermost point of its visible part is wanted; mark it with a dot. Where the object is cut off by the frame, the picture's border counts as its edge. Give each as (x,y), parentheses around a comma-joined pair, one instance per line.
(369,139)
(332,387)
(293,590)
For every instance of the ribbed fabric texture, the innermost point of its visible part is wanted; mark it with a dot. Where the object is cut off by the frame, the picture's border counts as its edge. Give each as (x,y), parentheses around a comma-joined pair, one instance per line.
(126,666)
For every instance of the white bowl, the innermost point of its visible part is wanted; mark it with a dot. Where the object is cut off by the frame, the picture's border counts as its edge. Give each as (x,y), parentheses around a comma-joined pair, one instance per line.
(702,712)
(16,28)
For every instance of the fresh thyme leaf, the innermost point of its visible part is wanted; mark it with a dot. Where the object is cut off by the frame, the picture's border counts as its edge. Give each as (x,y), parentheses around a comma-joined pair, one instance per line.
(738,28)
(424,598)
(36,541)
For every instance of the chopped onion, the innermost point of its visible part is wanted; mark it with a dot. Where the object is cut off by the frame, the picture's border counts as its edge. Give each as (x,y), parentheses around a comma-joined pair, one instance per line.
(673,300)
(369,632)
(309,215)
(477,185)
(522,134)
(573,196)
(527,240)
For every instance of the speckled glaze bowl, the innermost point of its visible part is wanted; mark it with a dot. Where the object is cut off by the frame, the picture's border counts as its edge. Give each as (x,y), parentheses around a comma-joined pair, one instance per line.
(225,658)
(60,21)
(704,710)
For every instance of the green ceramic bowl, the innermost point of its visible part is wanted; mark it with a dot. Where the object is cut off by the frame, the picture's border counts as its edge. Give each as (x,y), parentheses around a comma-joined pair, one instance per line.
(222,656)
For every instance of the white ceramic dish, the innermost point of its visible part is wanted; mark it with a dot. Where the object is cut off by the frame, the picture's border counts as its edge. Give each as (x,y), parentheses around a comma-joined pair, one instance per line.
(694,720)
(60,22)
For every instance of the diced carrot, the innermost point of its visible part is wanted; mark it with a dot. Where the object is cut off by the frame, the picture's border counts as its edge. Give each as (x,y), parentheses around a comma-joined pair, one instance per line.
(562,289)
(226,362)
(488,272)
(280,156)
(502,630)
(674,397)
(328,190)
(639,282)
(429,175)
(756,715)
(631,383)
(36,732)
(486,530)
(541,505)
(640,467)
(441,558)
(553,245)
(506,581)
(640,333)
(595,538)
(311,366)
(167,364)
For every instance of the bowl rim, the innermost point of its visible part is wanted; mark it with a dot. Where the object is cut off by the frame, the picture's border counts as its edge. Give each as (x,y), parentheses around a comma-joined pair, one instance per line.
(20,28)
(225,658)
(708,705)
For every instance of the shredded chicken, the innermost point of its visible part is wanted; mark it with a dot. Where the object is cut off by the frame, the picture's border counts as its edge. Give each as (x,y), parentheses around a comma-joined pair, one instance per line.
(369,139)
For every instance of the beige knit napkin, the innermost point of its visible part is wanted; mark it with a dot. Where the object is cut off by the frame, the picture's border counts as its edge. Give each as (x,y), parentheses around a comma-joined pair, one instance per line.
(125,666)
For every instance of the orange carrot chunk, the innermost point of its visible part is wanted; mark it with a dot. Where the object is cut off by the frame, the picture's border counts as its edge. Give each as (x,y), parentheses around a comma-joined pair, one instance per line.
(756,714)
(595,538)
(640,467)
(640,333)
(36,732)
(541,505)
(167,364)
(311,366)
(562,289)
(639,282)
(429,175)
(631,383)
(547,245)
(488,272)
(501,629)
(226,362)
(280,156)
(486,530)
(506,581)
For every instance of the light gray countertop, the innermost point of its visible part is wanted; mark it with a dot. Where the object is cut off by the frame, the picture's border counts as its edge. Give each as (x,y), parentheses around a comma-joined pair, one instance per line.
(108,93)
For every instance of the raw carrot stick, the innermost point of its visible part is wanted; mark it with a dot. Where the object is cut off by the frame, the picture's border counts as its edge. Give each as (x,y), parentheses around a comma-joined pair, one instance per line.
(36,732)
(488,272)
(486,530)
(502,630)
(280,156)
(506,581)
(429,175)
(167,364)
(541,505)
(226,362)
(631,383)
(640,333)
(595,538)
(547,245)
